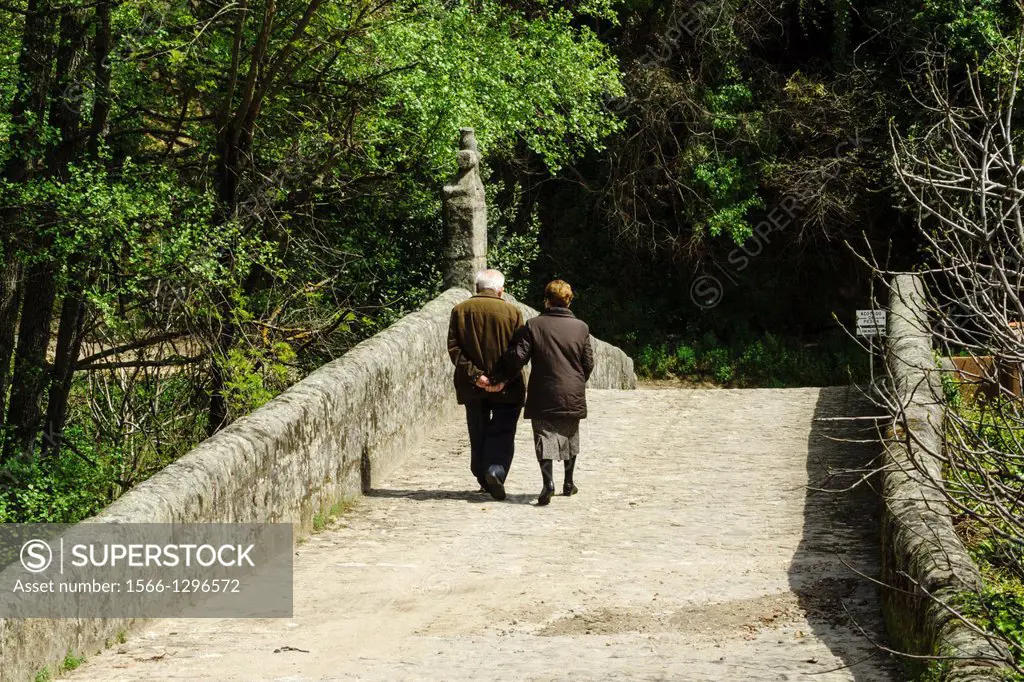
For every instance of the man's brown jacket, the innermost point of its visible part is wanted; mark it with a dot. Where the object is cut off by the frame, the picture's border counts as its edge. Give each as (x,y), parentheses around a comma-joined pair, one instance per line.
(478,334)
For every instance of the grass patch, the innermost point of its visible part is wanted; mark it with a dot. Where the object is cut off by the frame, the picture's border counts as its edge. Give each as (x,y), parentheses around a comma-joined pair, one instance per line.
(322,520)
(71,662)
(319,522)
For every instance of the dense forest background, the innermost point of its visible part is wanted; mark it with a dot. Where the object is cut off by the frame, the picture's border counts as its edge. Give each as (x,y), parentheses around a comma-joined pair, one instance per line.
(202,200)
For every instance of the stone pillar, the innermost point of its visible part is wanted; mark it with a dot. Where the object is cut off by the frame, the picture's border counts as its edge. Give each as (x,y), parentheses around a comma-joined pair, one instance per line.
(464,212)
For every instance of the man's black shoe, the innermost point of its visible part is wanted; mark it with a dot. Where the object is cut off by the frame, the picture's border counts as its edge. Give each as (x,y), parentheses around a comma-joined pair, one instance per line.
(545,496)
(568,490)
(495,484)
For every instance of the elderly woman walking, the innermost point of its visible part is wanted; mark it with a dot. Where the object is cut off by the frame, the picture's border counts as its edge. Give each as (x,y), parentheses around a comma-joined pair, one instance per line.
(556,400)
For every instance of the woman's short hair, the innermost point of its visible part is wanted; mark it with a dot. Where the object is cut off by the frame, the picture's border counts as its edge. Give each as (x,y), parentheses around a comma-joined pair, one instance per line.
(558,293)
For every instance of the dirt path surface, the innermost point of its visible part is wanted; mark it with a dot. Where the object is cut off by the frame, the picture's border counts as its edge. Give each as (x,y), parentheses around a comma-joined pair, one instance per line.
(693,552)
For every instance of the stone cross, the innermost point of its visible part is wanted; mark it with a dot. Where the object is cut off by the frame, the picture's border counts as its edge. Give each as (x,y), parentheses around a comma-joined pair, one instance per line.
(464,212)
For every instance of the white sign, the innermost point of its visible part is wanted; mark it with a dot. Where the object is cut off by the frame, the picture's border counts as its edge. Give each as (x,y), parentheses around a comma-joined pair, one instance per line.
(871,317)
(870,323)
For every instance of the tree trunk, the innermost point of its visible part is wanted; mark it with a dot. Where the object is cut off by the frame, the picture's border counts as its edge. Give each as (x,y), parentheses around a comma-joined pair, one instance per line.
(223,327)
(234,144)
(101,57)
(69,344)
(72,315)
(10,300)
(28,113)
(65,103)
(28,109)
(30,370)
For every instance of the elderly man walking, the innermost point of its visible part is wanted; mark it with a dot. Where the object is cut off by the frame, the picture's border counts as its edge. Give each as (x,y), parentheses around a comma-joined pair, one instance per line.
(479,332)
(563,359)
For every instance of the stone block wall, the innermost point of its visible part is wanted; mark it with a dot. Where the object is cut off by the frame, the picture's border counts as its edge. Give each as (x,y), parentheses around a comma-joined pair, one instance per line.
(923,560)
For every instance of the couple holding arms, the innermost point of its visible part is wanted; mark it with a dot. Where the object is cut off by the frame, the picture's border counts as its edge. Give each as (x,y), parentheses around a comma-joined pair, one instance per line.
(490,344)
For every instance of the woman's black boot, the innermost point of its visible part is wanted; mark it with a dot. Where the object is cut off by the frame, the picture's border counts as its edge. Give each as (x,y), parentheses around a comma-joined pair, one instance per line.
(548,474)
(568,488)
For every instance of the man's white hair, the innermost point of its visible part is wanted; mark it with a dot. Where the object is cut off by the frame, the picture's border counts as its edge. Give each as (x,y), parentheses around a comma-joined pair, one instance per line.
(489,279)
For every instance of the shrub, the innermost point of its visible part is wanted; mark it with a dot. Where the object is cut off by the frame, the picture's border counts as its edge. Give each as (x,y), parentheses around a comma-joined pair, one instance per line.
(754,361)
(685,360)
(654,362)
(718,365)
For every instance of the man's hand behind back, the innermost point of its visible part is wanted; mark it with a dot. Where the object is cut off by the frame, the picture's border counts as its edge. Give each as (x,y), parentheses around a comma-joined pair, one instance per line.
(484,382)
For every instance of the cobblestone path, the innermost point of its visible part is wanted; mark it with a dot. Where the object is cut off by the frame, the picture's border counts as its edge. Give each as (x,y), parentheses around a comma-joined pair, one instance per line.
(694,551)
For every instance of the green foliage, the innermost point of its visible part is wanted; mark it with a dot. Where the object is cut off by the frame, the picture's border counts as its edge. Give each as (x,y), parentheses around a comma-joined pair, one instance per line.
(685,360)
(73,486)
(256,375)
(993,433)
(513,252)
(934,671)
(687,171)
(102,455)
(264,252)
(1005,603)
(730,191)
(718,365)
(998,609)
(322,520)
(319,522)
(71,662)
(968,28)
(951,390)
(539,80)
(769,361)
(654,362)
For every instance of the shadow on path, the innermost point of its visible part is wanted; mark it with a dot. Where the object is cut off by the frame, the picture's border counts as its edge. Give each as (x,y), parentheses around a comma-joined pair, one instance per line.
(840,537)
(471,496)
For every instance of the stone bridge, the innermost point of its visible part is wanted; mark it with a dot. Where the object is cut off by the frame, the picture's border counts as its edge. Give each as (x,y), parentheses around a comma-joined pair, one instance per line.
(694,551)
(707,542)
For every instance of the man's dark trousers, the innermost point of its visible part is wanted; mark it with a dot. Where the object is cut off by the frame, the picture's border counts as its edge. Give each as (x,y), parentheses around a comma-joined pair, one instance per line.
(492,434)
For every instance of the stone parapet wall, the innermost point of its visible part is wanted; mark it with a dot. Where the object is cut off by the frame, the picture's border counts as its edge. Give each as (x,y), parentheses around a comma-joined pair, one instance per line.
(923,560)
